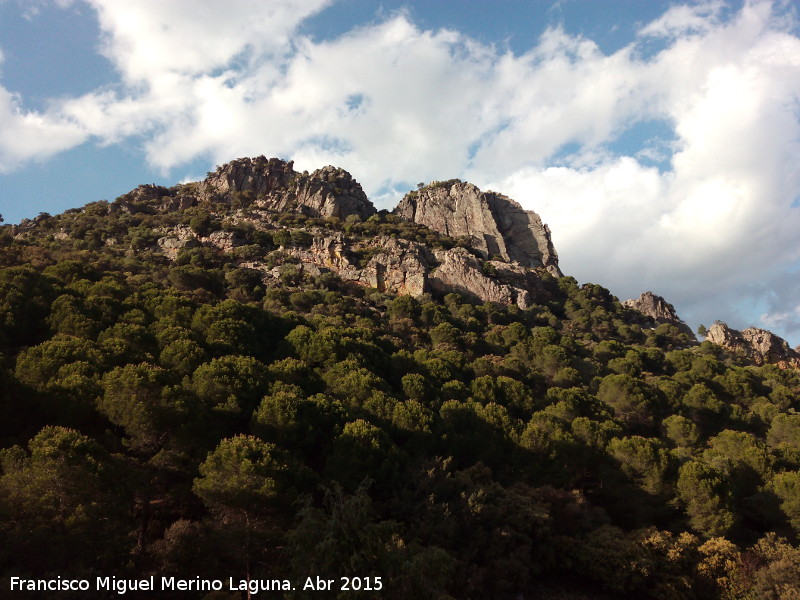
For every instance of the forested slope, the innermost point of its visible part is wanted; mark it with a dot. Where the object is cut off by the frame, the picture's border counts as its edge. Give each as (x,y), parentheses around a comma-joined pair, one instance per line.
(178,411)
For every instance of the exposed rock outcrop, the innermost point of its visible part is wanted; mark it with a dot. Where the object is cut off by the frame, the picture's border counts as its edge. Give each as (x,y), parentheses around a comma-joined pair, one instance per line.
(401,266)
(174,239)
(459,271)
(495,225)
(149,198)
(391,265)
(659,310)
(275,185)
(759,345)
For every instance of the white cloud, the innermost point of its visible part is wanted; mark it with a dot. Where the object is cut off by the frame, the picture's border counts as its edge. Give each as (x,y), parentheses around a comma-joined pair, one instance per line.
(395,104)
(148,39)
(705,232)
(27,135)
(685,19)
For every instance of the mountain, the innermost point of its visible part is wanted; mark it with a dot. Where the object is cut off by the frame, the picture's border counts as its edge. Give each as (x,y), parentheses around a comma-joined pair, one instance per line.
(259,380)
(250,190)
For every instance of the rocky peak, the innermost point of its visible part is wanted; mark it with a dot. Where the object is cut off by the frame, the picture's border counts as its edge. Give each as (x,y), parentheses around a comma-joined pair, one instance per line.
(759,345)
(659,310)
(274,184)
(495,225)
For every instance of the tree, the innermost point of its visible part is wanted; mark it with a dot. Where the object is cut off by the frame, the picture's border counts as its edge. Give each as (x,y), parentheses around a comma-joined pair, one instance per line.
(363,451)
(414,386)
(38,366)
(282,238)
(703,407)
(768,569)
(25,299)
(243,475)
(786,486)
(632,400)
(413,416)
(204,224)
(279,416)
(645,460)
(231,384)
(309,345)
(346,535)
(69,315)
(645,563)
(705,493)
(64,495)
(784,432)
(682,432)
(135,398)
(404,307)
(246,483)
(352,383)
(182,356)
(745,464)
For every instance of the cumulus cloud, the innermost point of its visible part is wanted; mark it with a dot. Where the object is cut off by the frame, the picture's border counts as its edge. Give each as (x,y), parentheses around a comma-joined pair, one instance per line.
(395,104)
(707,230)
(150,39)
(28,135)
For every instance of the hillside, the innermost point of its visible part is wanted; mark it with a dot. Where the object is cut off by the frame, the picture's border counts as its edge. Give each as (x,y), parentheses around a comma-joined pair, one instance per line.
(259,376)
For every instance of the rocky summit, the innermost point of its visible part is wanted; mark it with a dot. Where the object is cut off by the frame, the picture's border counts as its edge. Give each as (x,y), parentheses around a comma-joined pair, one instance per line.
(659,311)
(495,225)
(497,252)
(759,345)
(274,184)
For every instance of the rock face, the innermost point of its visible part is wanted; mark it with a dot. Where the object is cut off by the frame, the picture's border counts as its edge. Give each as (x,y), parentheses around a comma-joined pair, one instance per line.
(175,239)
(659,310)
(275,185)
(404,267)
(759,345)
(391,265)
(494,224)
(460,271)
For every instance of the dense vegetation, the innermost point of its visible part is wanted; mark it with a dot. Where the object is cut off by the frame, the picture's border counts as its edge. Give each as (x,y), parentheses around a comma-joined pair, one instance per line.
(192,417)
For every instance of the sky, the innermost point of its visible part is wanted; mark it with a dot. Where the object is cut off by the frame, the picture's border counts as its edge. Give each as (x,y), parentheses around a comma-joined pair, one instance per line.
(659,140)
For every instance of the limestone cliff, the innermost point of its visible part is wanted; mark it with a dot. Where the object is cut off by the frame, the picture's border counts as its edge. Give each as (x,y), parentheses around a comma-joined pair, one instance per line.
(494,225)
(759,345)
(659,310)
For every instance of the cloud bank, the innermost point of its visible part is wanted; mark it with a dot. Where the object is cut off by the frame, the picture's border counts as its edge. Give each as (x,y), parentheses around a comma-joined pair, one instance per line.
(704,214)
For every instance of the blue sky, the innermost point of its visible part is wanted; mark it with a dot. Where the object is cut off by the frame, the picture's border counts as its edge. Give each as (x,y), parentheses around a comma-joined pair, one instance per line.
(659,140)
